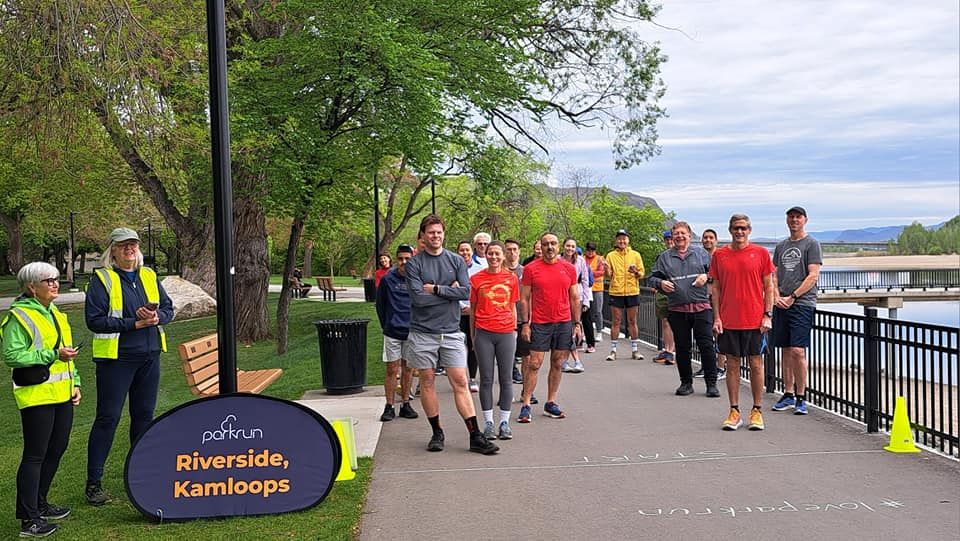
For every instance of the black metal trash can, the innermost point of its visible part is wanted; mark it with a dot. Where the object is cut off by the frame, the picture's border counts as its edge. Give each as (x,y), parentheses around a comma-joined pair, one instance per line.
(369,290)
(343,354)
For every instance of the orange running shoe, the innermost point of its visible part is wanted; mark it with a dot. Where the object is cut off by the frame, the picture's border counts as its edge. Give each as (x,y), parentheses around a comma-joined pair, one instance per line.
(756,420)
(733,420)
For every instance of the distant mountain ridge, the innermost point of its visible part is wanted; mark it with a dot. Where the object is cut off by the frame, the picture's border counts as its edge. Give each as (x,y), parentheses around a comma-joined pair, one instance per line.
(866,234)
(638,201)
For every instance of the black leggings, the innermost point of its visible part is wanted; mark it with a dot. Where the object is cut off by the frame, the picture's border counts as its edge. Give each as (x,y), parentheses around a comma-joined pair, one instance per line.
(46,433)
(586,322)
(701,323)
(471,355)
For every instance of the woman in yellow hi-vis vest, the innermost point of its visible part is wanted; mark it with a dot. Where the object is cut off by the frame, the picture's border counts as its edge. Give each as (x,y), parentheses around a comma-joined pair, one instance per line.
(38,345)
(126,308)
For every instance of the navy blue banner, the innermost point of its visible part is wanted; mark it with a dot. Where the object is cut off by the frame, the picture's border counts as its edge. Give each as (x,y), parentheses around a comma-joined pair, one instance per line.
(233,455)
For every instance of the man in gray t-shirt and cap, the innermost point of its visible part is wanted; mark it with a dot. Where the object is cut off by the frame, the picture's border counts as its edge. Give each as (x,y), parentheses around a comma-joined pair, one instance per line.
(798,260)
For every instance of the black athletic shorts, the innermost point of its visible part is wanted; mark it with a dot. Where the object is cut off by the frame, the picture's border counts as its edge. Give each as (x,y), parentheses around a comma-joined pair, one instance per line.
(624,301)
(742,343)
(551,336)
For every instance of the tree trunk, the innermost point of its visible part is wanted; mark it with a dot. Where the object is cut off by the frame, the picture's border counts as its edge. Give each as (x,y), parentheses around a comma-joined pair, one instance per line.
(199,266)
(14,240)
(253,270)
(283,307)
(307,258)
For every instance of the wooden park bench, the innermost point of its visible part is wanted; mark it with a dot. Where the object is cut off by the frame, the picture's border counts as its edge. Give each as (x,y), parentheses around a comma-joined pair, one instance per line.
(326,286)
(200,367)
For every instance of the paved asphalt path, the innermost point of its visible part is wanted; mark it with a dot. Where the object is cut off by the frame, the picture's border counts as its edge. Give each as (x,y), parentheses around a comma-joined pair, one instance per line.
(633,461)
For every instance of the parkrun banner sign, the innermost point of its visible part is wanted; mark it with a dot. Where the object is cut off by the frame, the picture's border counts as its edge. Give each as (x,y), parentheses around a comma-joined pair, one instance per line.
(232,455)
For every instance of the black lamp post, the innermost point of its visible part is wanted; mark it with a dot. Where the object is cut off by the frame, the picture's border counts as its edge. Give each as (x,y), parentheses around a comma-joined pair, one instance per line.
(222,194)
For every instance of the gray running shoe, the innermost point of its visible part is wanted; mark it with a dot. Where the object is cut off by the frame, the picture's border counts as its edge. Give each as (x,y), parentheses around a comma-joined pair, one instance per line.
(488,431)
(505,432)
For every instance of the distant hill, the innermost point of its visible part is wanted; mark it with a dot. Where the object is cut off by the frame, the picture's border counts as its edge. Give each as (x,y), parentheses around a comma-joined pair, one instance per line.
(866,234)
(638,201)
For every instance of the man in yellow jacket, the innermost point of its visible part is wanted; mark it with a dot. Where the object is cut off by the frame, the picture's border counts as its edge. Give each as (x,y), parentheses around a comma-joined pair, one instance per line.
(624,270)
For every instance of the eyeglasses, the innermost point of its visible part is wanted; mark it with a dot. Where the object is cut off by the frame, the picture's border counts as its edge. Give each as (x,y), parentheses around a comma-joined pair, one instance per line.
(51,281)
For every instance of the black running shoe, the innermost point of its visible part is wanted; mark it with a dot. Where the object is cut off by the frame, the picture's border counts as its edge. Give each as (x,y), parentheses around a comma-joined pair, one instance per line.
(407,411)
(480,444)
(53,512)
(388,413)
(712,390)
(37,528)
(517,376)
(684,389)
(95,495)
(436,442)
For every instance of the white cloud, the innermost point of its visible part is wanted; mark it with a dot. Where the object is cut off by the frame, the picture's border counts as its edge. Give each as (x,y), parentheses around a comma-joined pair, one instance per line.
(844,104)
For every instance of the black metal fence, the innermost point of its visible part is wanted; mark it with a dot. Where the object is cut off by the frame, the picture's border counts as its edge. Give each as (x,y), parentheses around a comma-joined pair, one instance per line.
(858,366)
(888,280)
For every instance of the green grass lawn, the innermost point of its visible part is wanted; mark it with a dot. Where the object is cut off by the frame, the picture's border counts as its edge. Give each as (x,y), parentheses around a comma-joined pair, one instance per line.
(8,286)
(337,517)
(338,281)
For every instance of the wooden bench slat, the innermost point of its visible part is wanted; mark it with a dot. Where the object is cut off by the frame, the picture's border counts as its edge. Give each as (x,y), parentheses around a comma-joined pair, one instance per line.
(200,367)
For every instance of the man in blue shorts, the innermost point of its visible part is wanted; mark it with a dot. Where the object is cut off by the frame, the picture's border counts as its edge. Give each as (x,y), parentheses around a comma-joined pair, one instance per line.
(798,260)
(437,280)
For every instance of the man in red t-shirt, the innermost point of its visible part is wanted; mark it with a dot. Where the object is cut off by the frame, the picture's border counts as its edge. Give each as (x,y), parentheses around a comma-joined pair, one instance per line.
(743,297)
(550,295)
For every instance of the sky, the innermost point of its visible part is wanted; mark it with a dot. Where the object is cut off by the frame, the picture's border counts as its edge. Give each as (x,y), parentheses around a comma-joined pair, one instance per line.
(849,108)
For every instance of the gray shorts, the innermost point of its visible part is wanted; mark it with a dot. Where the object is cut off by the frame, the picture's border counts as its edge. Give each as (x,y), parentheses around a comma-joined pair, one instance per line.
(426,350)
(393,349)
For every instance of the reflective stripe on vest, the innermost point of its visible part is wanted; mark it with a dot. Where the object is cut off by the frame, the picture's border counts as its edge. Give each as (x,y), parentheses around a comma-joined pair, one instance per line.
(59,386)
(107,345)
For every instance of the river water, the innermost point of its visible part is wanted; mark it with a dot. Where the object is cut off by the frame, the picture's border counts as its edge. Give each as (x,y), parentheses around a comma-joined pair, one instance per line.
(935,312)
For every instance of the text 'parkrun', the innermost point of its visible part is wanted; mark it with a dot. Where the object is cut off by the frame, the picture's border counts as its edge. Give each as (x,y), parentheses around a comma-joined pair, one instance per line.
(251,459)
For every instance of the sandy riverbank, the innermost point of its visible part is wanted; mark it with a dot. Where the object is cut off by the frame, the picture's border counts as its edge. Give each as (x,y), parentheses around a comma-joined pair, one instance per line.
(893,262)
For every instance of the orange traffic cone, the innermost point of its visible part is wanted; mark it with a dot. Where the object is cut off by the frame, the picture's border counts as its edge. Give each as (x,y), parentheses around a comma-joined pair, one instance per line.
(901,436)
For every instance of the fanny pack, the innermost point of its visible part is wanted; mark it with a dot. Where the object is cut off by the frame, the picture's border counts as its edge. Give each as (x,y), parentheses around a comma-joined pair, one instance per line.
(38,373)
(31,375)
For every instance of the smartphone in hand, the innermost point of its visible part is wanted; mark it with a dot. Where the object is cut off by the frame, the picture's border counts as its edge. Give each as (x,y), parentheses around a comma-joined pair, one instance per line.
(152,306)
(78,345)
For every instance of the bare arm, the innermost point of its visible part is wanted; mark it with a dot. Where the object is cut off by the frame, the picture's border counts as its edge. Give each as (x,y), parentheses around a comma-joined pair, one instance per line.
(769,296)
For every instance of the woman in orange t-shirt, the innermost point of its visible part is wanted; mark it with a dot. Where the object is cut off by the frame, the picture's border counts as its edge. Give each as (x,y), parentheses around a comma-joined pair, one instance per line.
(494,293)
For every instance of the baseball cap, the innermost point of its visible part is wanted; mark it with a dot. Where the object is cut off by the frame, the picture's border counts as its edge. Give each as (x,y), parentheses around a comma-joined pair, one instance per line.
(121,234)
(798,210)
(404,249)
(590,246)
(668,234)
(622,232)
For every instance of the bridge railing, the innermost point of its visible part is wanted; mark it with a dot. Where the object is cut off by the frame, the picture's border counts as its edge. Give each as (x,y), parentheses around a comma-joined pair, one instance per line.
(858,365)
(888,280)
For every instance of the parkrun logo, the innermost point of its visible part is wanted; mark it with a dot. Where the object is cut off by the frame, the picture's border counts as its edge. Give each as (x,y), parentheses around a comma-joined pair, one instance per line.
(227,432)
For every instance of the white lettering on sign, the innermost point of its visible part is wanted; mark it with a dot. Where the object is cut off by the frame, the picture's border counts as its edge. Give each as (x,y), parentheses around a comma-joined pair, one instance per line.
(227,432)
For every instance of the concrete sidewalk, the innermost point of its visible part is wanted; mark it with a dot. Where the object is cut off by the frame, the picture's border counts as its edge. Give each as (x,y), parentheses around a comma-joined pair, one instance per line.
(634,461)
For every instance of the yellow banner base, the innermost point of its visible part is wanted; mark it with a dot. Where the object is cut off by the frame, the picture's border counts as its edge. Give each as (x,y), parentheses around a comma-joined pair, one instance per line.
(348,460)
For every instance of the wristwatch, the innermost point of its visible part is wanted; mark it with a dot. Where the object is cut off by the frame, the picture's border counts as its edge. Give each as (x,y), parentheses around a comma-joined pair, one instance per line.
(793,295)
(436,289)
(768,314)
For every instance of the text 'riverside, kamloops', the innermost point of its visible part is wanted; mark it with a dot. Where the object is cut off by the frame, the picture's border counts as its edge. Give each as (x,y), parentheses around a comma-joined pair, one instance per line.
(195,462)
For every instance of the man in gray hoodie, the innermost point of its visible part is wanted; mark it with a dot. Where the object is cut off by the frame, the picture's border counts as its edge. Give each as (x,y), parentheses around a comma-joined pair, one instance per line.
(681,274)
(437,280)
